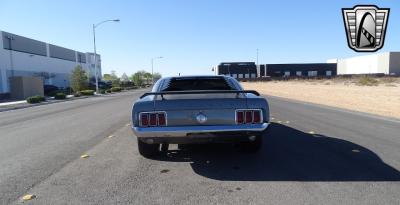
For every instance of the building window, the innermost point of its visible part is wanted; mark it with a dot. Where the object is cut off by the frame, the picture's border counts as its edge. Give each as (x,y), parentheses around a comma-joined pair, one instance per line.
(298,73)
(287,73)
(312,73)
(328,73)
(240,75)
(253,75)
(234,75)
(246,75)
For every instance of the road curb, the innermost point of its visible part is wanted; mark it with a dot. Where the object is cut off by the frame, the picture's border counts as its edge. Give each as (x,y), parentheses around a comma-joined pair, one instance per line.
(27,105)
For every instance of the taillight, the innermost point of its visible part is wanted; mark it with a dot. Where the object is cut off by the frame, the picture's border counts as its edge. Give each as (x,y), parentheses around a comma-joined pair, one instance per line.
(248,116)
(144,119)
(152,119)
(239,117)
(161,119)
(256,116)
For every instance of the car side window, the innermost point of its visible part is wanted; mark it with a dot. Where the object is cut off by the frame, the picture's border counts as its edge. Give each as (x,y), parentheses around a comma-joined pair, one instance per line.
(234,83)
(157,85)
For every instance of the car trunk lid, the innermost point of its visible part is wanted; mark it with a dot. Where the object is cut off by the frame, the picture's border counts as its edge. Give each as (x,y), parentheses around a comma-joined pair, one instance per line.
(217,109)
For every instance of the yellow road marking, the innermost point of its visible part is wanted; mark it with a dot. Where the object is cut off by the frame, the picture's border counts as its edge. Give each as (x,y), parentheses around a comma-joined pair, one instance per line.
(279,121)
(311,132)
(111,136)
(287,122)
(84,156)
(28,197)
(272,118)
(355,150)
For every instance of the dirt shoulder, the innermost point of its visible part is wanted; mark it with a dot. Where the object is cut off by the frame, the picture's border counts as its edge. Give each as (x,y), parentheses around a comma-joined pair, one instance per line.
(381,99)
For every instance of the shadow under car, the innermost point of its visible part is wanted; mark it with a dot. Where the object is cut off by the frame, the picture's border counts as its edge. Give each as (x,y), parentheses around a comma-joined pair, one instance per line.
(287,155)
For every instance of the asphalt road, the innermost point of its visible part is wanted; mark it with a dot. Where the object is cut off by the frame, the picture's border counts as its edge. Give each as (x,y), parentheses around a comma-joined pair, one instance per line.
(311,155)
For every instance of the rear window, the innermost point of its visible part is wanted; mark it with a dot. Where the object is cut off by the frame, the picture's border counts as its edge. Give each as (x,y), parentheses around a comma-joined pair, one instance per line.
(182,84)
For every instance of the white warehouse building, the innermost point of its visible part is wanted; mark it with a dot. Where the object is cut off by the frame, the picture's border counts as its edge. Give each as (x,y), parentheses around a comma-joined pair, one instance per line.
(387,63)
(21,56)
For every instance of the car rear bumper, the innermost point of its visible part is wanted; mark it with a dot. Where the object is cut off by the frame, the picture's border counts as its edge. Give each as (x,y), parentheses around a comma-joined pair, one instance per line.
(197,133)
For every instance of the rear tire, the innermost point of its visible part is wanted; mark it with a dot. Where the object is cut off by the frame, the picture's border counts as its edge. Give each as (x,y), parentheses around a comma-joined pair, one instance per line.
(148,150)
(253,146)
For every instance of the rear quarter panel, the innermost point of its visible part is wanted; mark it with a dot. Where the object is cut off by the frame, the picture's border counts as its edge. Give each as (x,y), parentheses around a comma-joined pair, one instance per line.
(145,104)
(258,102)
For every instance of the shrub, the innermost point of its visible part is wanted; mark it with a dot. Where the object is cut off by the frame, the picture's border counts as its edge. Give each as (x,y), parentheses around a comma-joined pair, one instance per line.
(67,91)
(131,88)
(368,81)
(78,79)
(60,96)
(35,99)
(87,92)
(108,91)
(388,80)
(77,94)
(102,91)
(54,93)
(116,89)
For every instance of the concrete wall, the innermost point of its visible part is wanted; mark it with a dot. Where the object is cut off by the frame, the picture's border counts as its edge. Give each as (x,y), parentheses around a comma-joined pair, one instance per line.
(375,63)
(394,65)
(242,70)
(90,64)
(301,69)
(29,64)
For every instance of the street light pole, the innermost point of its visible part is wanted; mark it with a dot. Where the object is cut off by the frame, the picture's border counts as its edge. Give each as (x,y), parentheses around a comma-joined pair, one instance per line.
(95,53)
(95,59)
(152,68)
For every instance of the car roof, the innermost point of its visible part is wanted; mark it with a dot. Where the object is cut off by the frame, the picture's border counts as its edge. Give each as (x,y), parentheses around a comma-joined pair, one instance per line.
(196,77)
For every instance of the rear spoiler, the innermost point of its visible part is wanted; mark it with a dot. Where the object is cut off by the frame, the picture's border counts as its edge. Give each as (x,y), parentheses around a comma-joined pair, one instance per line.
(199,92)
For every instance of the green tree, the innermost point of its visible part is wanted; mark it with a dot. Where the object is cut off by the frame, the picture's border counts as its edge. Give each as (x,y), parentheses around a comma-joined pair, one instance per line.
(107,77)
(138,78)
(116,83)
(147,77)
(156,76)
(79,79)
(113,78)
(110,77)
(124,77)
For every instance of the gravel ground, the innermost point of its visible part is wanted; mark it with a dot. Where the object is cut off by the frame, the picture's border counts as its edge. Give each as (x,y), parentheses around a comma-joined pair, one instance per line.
(381,100)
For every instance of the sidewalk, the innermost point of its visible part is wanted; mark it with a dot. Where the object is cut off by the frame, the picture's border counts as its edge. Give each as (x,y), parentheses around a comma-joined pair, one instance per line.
(5,106)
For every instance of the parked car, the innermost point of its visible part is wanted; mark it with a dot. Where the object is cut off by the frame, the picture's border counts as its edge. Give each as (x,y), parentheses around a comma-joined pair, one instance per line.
(199,109)
(102,85)
(47,89)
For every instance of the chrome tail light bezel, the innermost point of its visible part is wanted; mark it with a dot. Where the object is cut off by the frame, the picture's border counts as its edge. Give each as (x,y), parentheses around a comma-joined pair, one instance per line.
(157,113)
(252,116)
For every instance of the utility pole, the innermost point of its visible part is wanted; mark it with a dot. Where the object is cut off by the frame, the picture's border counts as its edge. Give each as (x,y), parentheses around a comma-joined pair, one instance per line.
(152,68)
(257,56)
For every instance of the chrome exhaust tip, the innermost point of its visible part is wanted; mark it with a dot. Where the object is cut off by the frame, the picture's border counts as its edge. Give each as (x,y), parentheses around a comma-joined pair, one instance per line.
(252,138)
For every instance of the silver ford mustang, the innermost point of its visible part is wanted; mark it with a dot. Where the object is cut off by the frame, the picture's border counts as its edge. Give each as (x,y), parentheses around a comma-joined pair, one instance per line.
(198,109)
